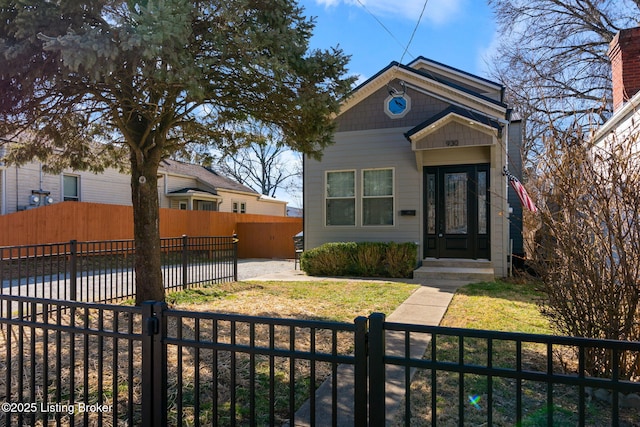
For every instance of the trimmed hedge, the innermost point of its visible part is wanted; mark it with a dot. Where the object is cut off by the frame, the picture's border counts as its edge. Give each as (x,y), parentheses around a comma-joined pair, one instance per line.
(365,259)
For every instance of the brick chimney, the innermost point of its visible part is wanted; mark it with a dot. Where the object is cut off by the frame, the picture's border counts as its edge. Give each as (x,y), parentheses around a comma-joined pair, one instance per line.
(624,53)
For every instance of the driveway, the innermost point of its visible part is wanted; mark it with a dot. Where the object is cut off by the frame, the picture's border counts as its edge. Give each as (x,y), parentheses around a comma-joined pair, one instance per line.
(266,269)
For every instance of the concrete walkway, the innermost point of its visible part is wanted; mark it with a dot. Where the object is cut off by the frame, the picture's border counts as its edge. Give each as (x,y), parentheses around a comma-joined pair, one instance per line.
(425,306)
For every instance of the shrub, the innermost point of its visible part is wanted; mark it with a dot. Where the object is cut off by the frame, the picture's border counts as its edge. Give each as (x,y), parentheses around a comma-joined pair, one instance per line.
(588,252)
(370,259)
(400,259)
(330,259)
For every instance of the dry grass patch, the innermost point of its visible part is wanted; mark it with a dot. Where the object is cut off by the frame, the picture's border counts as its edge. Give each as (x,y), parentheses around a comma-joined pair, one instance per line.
(321,300)
(206,380)
(511,307)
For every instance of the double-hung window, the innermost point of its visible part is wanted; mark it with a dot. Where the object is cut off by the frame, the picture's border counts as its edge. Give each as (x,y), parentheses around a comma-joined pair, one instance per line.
(239,207)
(377,197)
(70,188)
(340,196)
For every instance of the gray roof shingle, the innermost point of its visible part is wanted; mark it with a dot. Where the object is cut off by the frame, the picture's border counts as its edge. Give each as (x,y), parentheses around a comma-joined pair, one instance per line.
(205,175)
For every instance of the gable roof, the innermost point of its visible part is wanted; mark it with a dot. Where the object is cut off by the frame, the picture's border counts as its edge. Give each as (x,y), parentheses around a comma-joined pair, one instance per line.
(465,88)
(448,72)
(205,175)
(449,114)
(189,191)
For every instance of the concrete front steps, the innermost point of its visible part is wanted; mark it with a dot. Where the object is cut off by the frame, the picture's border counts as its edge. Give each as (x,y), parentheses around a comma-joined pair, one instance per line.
(471,270)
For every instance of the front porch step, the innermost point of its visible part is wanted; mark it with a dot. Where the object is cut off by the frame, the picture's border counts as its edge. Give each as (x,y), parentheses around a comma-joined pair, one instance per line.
(469,270)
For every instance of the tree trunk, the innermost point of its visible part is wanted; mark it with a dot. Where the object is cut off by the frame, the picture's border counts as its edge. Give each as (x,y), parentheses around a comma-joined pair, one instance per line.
(146,229)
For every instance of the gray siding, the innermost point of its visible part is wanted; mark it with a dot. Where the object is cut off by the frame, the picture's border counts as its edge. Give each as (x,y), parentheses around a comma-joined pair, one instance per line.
(369,114)
(358,151)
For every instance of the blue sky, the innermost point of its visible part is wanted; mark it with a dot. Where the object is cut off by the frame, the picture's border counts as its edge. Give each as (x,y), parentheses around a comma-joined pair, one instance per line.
(459,33)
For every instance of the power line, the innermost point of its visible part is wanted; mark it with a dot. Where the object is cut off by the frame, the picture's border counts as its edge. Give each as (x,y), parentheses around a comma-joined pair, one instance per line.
(385,28)
(424,7)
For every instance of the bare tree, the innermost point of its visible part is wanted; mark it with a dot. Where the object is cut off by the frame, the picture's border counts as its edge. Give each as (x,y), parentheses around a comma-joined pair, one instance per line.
(262,161)
(552,58)
(588,249)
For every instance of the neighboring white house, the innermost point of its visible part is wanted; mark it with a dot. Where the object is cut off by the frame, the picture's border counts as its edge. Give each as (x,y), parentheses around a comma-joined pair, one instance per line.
(180,186)
(624,124)
(418,157)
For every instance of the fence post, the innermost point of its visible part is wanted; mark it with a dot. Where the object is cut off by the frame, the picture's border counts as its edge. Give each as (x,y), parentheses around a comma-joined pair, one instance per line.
(377,412)
(235,256)
(360,374)
(185,261)
(154,365)
(73,270)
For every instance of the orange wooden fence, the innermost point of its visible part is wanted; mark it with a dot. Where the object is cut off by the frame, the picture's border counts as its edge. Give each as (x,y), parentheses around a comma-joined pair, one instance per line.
(261,236)
(267,240)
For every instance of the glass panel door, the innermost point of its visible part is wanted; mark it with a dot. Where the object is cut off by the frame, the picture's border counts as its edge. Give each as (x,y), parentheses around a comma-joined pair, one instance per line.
(456,219)
(482,203)
(431,203)
(455,203)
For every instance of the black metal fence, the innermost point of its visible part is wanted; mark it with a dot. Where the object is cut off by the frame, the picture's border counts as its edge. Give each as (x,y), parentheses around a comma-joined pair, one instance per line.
(75,363)
(476,377)
(103,271)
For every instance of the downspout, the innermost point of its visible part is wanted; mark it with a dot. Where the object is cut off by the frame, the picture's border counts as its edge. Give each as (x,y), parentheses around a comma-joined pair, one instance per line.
(506,241)
(165,190)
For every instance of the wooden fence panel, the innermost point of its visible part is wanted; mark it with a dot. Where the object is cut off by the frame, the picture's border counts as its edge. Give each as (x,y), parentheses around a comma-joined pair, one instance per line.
(62,222)
(66,221)
(267,240)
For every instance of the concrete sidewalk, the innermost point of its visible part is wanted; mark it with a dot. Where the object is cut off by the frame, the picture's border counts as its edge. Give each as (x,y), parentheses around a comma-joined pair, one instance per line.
(425,306)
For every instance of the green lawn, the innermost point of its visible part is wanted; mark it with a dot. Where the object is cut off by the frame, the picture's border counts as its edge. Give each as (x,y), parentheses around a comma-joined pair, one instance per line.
(499,306)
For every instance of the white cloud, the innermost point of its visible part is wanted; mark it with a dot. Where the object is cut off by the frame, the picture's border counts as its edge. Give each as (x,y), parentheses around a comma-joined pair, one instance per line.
(437,12)
(328,3)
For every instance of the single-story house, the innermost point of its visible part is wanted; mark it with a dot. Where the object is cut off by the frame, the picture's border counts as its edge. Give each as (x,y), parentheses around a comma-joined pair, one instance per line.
(180,186)
(419,155)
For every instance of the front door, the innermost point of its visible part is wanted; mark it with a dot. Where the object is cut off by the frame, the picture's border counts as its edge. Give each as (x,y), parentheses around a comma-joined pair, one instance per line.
(457,211)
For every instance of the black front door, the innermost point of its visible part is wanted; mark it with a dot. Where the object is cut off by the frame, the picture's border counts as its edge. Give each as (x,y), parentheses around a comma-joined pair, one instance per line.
(457,211)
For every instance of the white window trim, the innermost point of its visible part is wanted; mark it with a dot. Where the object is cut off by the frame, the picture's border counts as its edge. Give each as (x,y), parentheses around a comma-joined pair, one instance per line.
(326,197)
(238,207)
(78,186)
(392,197)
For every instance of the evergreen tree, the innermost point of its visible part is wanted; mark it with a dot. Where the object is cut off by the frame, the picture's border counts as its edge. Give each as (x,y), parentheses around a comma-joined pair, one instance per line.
(88,83)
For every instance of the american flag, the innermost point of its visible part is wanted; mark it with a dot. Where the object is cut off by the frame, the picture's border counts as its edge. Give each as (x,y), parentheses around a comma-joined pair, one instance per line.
(521,192)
